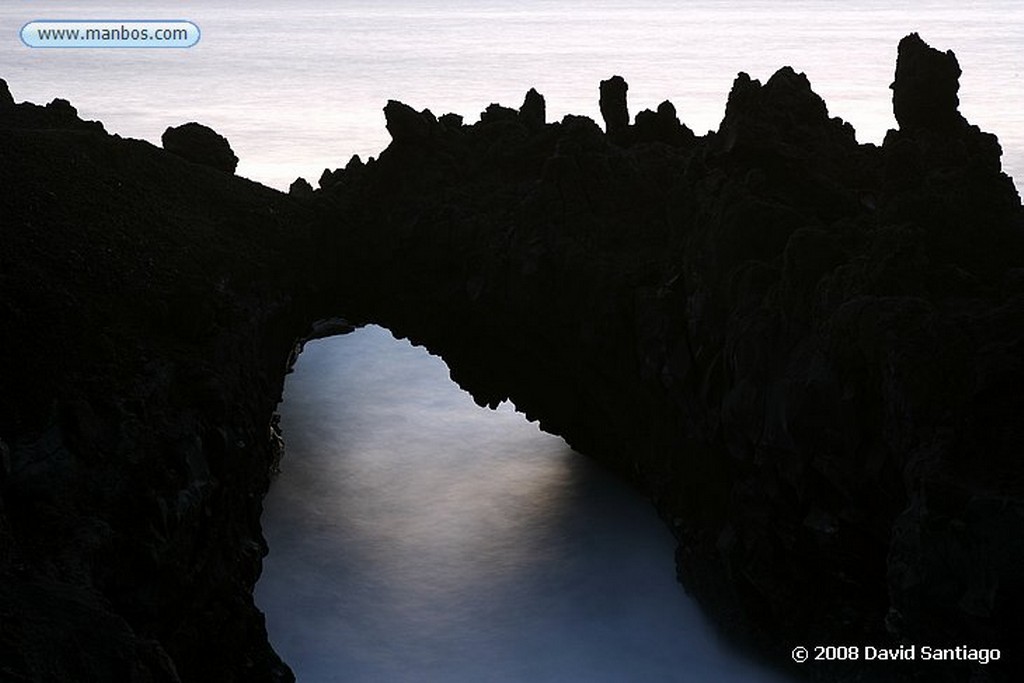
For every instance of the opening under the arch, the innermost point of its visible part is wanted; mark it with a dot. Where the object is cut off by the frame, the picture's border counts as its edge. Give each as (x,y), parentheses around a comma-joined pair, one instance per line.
(415,536)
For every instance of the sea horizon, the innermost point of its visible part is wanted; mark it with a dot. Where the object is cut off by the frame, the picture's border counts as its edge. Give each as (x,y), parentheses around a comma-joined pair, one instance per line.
(301,89)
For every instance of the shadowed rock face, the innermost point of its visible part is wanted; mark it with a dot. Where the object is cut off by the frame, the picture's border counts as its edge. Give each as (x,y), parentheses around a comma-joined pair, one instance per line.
(201,145)
(6,99)
(405,123)
(926,86)
(533,110)
(613,105)
(662,126)
(146,314)
(806,351)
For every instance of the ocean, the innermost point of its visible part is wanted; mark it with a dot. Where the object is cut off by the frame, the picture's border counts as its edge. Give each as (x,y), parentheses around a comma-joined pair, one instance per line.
(415,536)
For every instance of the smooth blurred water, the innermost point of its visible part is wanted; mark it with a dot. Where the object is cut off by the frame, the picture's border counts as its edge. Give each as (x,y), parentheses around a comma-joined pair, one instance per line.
(299,86)
(417,537)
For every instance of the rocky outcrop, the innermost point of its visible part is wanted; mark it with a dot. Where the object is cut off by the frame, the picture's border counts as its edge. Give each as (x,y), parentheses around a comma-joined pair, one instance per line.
(58,114)
(406,124)
(925,90)
(300,188)
(201,145)
(146,315)
(664,126)
(807,351)
(6,98)
(613,106)
(533,110)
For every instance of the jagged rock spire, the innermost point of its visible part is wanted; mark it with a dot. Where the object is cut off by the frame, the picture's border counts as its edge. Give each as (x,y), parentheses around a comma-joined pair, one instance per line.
(613,105)
(6,99)
(533,110)
(924,93)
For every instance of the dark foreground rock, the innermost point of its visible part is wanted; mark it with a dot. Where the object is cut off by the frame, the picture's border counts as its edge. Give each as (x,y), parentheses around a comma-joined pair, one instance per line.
(146,314)
(808,352)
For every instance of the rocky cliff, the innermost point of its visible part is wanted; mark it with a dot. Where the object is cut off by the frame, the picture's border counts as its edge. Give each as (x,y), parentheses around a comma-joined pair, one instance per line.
(807,351)
(147,310)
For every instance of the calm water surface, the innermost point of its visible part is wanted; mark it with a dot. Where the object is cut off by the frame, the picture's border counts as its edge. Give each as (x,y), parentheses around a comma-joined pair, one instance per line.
(300,86)
(417,537)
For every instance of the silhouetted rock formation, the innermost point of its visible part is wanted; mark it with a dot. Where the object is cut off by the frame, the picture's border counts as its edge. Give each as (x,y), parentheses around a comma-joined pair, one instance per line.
(145,319)
(201,145)
(300,188)
(405,124)
(613,105)
(58,114)
(662,126)
(6,99)
(495,113)
(533,110)
(808,352)
(924,94)
(450,121)
(805,349)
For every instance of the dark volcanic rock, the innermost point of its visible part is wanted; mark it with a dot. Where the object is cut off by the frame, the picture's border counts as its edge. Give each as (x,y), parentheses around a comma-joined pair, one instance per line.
(301,187)
(783,113)
(58,114)
(533,111)
(808,352)
(145,318)
(941,171)
(613,105)
(201,145)
(352,170)
(405,124)
(62,109)
(802,348)
(450,121)
(496,113)
(662,126)
(6,99)
(924,94)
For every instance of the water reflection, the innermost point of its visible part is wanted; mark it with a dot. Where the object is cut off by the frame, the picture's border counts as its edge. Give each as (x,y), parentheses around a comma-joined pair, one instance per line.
(417,537)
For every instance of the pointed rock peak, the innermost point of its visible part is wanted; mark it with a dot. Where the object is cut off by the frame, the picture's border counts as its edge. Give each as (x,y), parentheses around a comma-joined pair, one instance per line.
(6,99)
(791,91)
(534,110)
(405,124)
(787,79)
(661,126)
(744,90)
(924,92)
(613,105)
(300,188)
(786,97)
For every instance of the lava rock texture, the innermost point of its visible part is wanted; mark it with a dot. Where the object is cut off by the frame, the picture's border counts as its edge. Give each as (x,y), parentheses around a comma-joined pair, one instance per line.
(200,144)
(807,352)
(146,316)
